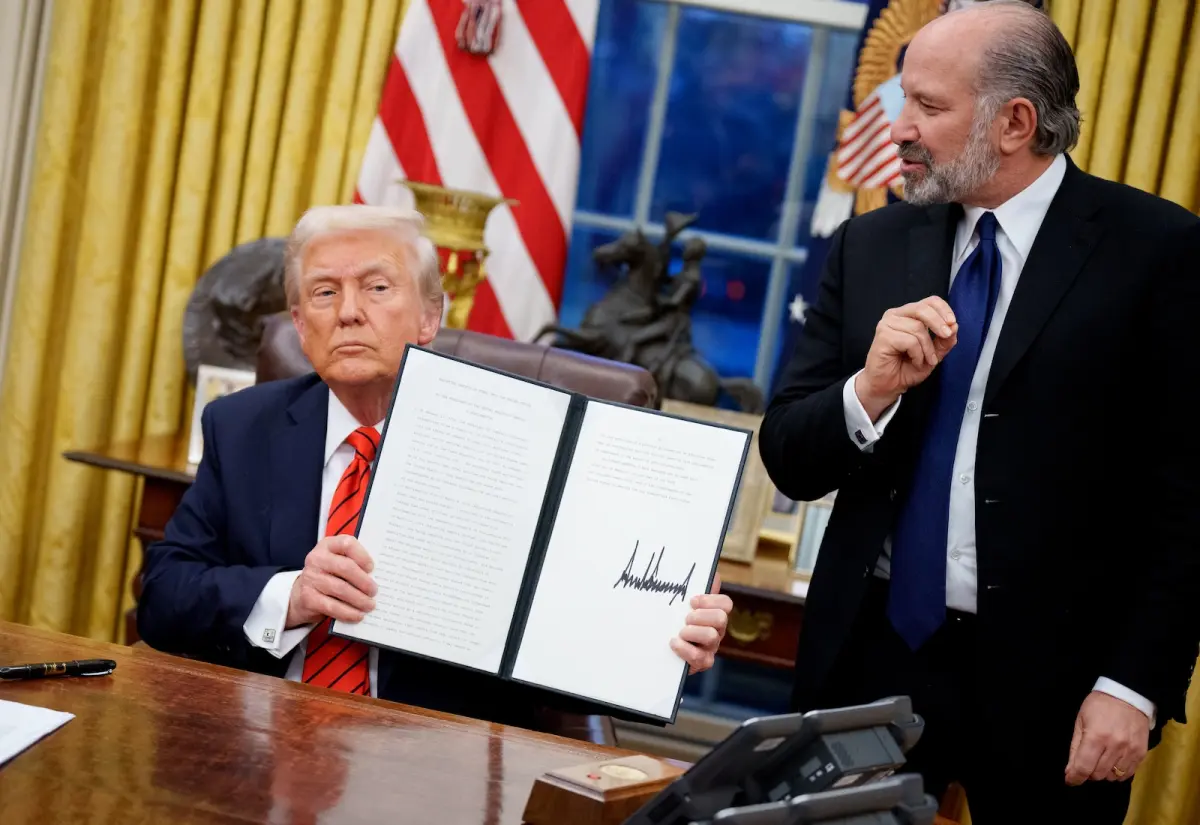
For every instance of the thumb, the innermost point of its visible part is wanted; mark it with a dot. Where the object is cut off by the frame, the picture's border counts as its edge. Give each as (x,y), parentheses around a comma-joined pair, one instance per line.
(1076,738)
(716,585)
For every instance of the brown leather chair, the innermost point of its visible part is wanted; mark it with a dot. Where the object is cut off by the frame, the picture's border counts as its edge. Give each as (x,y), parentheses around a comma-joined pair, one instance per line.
(280,356)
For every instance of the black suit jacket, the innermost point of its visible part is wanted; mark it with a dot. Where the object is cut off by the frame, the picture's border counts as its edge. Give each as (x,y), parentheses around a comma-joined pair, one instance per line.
(251,513)
(1087,482)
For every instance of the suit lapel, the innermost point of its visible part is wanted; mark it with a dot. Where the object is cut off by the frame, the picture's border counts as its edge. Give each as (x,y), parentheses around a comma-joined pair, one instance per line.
(297,455)
(927,272)
(1064,242)
(930,248)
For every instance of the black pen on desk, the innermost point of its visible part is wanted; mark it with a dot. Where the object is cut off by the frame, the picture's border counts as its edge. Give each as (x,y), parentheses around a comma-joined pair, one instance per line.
(76,667)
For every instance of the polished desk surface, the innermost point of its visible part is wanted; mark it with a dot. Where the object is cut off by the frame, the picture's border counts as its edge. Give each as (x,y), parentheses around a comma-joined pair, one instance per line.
(165,739)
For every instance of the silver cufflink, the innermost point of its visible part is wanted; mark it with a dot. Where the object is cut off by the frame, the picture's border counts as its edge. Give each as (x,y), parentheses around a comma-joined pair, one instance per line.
(269,636)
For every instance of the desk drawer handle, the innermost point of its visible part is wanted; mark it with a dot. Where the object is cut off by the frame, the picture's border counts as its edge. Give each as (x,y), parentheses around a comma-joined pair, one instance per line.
(746,626)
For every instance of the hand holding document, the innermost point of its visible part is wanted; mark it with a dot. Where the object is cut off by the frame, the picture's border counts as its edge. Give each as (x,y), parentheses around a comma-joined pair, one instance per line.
(698,641)
(543,536)
(23,725)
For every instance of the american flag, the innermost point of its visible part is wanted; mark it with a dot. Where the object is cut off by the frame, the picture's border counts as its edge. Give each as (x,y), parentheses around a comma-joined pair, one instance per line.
(504,124)
(866,155)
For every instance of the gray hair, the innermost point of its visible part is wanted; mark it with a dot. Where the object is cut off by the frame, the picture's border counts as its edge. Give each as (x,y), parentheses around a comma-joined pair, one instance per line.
(405,225)
(1030,58)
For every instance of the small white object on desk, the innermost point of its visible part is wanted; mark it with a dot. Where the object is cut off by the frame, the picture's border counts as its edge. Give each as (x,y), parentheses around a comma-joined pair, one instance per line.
(21,726)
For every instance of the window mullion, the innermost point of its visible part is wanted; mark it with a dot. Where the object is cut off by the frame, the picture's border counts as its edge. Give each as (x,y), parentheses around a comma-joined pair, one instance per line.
(658,118)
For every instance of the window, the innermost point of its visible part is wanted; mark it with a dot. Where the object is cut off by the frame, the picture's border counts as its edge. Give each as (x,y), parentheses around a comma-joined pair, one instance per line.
(723,108)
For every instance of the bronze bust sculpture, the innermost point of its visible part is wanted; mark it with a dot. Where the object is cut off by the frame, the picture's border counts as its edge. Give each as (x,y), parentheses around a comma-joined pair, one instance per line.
(222,324)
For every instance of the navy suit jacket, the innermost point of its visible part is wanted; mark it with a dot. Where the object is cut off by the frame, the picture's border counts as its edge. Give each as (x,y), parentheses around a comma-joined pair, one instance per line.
(251,513)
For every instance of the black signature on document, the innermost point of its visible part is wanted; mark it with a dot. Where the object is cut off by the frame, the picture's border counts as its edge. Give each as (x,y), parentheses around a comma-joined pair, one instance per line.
(649,580)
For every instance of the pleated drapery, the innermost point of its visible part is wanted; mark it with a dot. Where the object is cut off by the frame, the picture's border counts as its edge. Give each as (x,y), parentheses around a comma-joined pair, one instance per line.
(1139,67)
(1139,78)
(24,41)
(170,132)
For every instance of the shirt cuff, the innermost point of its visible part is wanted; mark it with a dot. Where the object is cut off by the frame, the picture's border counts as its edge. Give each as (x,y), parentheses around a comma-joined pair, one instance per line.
(862,431)
(264,626)
(1119,691)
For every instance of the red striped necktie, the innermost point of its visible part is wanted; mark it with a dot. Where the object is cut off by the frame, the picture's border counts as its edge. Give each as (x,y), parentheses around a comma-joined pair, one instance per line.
(330,662)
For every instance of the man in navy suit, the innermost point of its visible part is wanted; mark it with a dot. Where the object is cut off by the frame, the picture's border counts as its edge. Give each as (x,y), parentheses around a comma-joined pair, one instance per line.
(261,553)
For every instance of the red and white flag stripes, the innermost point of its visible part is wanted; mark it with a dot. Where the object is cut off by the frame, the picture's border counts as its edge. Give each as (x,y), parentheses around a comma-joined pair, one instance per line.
(508,125)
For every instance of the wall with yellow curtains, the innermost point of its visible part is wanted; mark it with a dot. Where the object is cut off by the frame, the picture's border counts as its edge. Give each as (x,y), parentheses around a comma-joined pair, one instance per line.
(170,131)
(1139,67)
(1139,77)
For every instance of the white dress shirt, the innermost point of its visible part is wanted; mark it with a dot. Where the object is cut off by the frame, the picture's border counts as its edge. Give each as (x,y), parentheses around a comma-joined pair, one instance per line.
(1019,220)
(264,626)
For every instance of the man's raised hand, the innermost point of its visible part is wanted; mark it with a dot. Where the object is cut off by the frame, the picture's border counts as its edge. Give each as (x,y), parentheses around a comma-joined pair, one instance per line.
(909,342)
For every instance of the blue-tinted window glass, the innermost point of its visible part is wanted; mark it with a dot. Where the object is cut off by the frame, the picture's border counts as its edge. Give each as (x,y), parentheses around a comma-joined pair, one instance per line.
(727,317)
(836,76)
(731,121)
(585,283)
(620,88)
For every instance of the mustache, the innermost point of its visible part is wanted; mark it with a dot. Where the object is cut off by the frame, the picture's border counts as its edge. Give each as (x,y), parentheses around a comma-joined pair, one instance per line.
(914,152)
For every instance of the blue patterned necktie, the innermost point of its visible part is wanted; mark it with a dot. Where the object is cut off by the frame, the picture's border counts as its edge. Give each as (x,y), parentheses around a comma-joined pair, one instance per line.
(917,599)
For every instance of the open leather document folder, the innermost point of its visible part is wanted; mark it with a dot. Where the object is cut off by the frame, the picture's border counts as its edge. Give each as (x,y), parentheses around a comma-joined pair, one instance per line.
(540,535)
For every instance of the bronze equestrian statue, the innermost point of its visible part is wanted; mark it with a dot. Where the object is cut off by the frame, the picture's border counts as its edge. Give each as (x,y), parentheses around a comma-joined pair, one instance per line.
(645,319)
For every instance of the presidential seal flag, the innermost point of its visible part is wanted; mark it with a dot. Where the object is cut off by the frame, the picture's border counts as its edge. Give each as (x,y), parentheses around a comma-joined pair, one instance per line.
(863,170)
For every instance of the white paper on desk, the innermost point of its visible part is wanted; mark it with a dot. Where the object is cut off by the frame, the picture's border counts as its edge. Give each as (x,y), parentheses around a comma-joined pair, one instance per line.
(641,485)
(449,522)
(23,725)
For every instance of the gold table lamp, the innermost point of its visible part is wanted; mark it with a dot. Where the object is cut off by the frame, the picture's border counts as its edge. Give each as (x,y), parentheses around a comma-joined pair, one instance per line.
(454,221)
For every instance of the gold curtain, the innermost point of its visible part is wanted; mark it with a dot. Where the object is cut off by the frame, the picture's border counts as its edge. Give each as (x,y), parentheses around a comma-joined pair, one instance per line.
(1139,78)
(1139,94)
(170,132)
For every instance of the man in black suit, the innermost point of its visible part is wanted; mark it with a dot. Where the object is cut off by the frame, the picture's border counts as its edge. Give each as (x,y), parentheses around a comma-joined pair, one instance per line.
(261,553)
(990,378)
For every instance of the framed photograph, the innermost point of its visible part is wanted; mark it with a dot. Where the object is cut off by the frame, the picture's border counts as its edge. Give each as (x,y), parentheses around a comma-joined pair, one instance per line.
(798,527)
(741,538)
(212,383)
(781,520)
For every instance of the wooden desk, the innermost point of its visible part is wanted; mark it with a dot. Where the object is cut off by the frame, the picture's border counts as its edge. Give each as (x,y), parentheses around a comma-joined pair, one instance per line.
(768,611)
(161,462)
(170,740)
